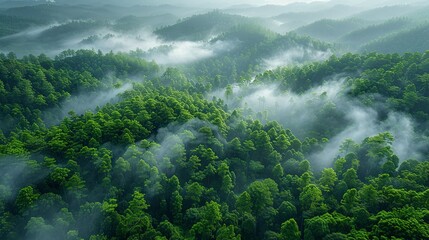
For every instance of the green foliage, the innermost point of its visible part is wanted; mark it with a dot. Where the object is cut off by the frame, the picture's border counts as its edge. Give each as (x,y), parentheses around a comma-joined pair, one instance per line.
(395,43)
(366,34)
(164,162)
(201,27)
(290,230)
(329,30)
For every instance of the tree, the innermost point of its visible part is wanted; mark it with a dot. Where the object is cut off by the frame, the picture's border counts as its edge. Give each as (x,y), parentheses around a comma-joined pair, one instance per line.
(290,231)
(350,200)
(211,218)
(169,230)
(370,198)
(227,233)
(318,227)
(376,155)
(194,192)
(26,199)
(328,179)
(278,171)
(136,220)
(261,197)
(350,177)
(244,203)
(311,200)
(176,207)
(37,228)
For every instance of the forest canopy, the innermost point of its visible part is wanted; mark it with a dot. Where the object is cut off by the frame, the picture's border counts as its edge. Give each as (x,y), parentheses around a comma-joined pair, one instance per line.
(172,122)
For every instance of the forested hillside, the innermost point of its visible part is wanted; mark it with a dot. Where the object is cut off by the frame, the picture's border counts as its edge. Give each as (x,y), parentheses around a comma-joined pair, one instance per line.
(132,124)
(166,162)
(397,42)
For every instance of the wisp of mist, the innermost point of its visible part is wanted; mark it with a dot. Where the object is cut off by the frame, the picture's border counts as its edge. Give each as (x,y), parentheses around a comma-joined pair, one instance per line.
(299,112)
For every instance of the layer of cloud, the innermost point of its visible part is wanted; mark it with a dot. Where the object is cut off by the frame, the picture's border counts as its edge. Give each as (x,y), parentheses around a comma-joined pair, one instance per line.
(105,39)
(295,56)
(327,108)
(83,102)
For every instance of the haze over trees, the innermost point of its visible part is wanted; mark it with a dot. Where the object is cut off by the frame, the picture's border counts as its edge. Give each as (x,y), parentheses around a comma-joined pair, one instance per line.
(129,121)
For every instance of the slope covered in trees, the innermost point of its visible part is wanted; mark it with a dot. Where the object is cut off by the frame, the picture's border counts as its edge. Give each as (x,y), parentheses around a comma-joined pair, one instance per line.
(201,27)
(410,40)
(370,33)
(251,45)
(260,135)
(31,85)
(166,163)
(329,30)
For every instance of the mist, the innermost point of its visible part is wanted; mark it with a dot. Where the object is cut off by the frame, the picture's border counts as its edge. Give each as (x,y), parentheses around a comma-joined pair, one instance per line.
(17,172)
(142,42)
(83,102)
(327,109)
(165,151)
(172,140)
(295,56)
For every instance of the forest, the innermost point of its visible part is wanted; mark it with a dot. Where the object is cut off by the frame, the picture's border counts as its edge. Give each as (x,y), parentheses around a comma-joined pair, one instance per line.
(182,122)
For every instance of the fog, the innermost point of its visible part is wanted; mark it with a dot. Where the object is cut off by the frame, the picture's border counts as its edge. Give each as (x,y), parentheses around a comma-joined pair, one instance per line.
(17,172)
(144,42)
(82,103)
(164,151)
(294,56)
(171,142)
(53,38)
(327,109)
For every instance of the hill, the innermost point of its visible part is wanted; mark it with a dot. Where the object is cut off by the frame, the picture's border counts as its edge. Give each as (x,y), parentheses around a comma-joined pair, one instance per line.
(201,27)
(133,23)
(386,12)
(413,40)
(293,20)
(164,162)
(10,25)
(331,30)
(252,45)
(372,32)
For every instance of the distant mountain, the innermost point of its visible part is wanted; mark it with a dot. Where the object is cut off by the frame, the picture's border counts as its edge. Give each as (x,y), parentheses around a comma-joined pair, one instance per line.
(331,30)
(419,14)
(386,12)
(414,40)
(48,13)
(10,4)
(370,33)
(11,25)
(132,23)
(293,20)
(246,34)
(275,10)
(253,45)
(201,27)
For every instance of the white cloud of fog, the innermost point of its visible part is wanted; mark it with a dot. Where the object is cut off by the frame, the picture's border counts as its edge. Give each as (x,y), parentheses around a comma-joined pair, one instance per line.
(170,144)
(108,40)
(178,52)
(295,56)
(183,52)
(31,32)
(187,52)
(363,123)
(175,134)
(16,173)
(81,103)
(303,113)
